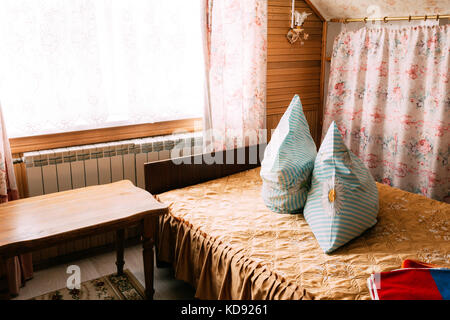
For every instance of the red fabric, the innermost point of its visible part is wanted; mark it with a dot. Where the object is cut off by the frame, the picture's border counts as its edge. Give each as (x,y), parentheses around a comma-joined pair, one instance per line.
(417,264)
(396,285)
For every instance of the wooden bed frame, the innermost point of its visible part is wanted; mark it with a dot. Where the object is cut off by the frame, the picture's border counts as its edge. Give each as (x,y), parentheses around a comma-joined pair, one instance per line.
(166,175)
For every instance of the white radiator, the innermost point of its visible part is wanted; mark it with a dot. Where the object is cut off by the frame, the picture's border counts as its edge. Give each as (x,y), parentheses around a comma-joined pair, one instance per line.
(62,169)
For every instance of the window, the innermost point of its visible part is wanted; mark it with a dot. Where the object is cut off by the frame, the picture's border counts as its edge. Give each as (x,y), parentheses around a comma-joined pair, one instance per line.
(68,65)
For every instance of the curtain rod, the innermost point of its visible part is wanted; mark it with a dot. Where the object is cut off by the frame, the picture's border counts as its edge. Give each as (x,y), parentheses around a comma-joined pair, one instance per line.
(387,19)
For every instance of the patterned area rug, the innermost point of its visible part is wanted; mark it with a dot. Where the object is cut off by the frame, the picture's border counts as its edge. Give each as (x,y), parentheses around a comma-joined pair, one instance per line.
(111,287)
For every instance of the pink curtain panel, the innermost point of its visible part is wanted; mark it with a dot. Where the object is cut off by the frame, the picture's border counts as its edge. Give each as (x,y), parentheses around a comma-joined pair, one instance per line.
(19,268)
(389,94)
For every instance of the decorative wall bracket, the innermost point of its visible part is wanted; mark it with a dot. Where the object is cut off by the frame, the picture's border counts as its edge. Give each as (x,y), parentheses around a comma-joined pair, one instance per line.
(296,32)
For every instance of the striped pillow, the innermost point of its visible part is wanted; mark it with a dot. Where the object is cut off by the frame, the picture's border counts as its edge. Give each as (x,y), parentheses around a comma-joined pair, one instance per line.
(343,200)
(288,162)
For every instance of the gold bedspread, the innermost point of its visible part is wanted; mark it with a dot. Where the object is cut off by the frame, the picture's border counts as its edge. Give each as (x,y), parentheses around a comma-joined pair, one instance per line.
(221,238)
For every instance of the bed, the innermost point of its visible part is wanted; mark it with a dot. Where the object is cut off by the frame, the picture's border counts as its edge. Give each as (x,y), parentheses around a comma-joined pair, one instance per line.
(220,237)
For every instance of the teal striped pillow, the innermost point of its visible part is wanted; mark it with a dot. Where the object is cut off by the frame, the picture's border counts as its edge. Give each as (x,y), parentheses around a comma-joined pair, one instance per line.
(343,200)
(288,162)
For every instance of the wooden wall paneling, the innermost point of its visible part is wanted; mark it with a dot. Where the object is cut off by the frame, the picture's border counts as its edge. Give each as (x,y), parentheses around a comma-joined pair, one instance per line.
(292,77)
(306,108)
(322,79)
(272,122)
(293,69)
(311,117)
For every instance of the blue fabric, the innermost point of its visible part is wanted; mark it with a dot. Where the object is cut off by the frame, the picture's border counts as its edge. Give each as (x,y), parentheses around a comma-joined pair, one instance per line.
(343,200)
(442,279)
(288,162)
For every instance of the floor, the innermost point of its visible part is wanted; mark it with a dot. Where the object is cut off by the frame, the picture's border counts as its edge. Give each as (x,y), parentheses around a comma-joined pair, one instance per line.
(166,286)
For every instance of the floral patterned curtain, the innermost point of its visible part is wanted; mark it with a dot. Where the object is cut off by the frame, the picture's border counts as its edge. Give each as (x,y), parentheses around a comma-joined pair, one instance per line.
(389,94)
(235,38)
(20,268)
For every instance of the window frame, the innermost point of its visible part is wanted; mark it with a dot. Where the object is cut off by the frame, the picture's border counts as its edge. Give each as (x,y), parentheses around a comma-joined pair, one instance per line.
(76,138)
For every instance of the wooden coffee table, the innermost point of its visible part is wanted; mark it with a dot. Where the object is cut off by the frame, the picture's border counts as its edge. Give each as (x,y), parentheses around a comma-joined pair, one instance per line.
(44,221)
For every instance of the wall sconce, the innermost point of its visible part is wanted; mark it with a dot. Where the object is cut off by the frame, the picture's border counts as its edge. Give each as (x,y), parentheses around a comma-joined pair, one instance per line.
(297,19)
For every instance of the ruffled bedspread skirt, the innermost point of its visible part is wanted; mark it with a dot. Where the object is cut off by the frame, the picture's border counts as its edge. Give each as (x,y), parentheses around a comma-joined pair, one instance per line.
(215,269)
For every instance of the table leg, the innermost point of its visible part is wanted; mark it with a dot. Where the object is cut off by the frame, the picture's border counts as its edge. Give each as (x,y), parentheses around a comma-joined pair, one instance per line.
(120,238)
(148,255)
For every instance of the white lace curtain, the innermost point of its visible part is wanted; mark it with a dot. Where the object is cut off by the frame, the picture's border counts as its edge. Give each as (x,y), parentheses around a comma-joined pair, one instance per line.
(69,65)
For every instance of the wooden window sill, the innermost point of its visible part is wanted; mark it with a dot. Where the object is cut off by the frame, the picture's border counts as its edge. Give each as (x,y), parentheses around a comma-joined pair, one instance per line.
(77,138)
